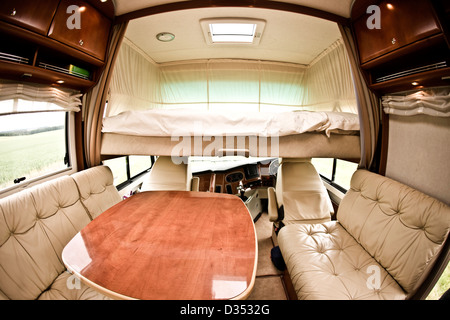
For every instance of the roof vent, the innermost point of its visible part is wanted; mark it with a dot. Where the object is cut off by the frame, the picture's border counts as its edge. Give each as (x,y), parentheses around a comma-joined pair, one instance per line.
(221,31)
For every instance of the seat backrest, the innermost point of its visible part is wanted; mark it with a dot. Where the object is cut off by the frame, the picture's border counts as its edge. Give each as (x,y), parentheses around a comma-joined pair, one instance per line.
(300,190)
(97,190)
(402,228)
(35,225)
(167,175)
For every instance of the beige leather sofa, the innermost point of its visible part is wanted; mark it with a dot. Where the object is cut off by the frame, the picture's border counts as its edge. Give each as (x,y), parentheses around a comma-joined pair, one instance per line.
(37,223)
(167,175)
(384,243)
(299,195)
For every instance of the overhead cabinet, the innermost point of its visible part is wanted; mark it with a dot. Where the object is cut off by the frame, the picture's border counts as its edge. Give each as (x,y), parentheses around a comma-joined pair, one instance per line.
(400,23)
(57,42)
(402,44)
(83,28)
(32,15)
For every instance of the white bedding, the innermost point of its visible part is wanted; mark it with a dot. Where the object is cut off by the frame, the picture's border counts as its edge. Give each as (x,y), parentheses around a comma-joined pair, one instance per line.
(183,122)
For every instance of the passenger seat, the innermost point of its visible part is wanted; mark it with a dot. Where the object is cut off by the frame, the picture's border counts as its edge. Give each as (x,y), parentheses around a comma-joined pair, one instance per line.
(299,195)
(166,175)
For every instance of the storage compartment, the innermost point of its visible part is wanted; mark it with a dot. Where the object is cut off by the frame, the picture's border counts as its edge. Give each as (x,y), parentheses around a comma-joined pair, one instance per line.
(12,50)
(411,48)
(28,54)
(64,64)
(89,33)
(33,15)
(401,23)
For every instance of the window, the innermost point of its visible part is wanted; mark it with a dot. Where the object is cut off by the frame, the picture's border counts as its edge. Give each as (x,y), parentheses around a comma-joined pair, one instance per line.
(337,172)
(139,164)
(32,145)
(126,169)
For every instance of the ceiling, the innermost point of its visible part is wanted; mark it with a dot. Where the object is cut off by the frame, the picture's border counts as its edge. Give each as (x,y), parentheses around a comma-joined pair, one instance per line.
(339,7)
(287,37)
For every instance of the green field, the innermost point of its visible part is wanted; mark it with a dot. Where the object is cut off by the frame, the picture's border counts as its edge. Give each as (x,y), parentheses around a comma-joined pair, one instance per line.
(31,156)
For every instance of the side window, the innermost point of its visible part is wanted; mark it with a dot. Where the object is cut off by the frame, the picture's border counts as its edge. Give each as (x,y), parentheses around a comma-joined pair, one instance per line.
(32,145)
(337,172)
(127,168)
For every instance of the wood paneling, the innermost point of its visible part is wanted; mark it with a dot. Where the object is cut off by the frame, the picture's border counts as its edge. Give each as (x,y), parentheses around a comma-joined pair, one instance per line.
(33,15)
(91,37)
(401,24)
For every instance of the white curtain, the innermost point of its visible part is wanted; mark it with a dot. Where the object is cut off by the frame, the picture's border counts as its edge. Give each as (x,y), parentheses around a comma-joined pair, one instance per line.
(184,85)
(433,102)
(232,85)
(328,82)
(23,97)
(135,82)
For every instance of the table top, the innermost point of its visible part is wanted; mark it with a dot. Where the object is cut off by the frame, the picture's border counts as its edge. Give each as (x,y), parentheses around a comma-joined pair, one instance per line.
(168,245)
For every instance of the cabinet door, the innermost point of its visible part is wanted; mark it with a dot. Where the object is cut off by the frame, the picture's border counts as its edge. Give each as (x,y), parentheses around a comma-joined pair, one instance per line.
(33,15)
(402,22)
(81,26)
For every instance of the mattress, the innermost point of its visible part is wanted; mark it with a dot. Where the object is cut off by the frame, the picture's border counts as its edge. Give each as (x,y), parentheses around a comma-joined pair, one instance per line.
(182,133)
(183,122)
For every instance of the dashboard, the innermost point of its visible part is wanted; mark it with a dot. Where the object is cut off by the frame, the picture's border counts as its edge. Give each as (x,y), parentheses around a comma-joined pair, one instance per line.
(249,175)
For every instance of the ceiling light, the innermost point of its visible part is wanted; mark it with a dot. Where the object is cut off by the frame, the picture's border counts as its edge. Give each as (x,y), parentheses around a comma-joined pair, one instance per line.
(165,36)
(232,31)
(415,83)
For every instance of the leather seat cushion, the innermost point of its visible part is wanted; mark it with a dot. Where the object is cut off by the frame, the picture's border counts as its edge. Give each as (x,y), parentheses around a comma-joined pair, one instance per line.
(325,262)
(66,287)
(35,225)
(97,189)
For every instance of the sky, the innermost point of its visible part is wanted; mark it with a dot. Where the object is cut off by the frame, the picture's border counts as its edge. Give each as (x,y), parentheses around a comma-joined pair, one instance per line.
(31,120)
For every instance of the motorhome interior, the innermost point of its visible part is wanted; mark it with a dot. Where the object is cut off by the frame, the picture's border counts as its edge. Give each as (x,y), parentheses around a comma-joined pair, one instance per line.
(198,150)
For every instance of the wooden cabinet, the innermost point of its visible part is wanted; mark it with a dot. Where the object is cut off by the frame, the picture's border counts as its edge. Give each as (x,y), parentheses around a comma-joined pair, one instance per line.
(401,22)
(83,28)
(32,15)
(38,44)
(411,49)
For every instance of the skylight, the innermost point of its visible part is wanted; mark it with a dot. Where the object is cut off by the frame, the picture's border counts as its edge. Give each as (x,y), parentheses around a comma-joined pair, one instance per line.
(232,31)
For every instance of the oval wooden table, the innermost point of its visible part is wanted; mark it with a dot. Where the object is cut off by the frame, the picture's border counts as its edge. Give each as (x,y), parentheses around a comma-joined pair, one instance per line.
(168,245)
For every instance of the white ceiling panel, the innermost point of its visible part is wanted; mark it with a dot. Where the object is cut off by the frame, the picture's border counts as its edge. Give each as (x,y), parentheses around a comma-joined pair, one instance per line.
(287,37)
(339,7)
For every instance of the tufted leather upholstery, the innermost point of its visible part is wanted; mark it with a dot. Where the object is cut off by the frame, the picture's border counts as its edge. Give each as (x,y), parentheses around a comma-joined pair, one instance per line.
(35,225)
(385,243)
(301,193)
(97,190)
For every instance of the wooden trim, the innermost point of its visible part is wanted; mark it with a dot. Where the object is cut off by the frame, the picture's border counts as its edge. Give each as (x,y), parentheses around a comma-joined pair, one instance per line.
(289,286)
(426,79)
(27,73)
(79,148)
(261,4)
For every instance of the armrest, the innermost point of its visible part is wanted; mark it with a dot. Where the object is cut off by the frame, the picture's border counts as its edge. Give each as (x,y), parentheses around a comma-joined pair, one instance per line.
(272,204)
